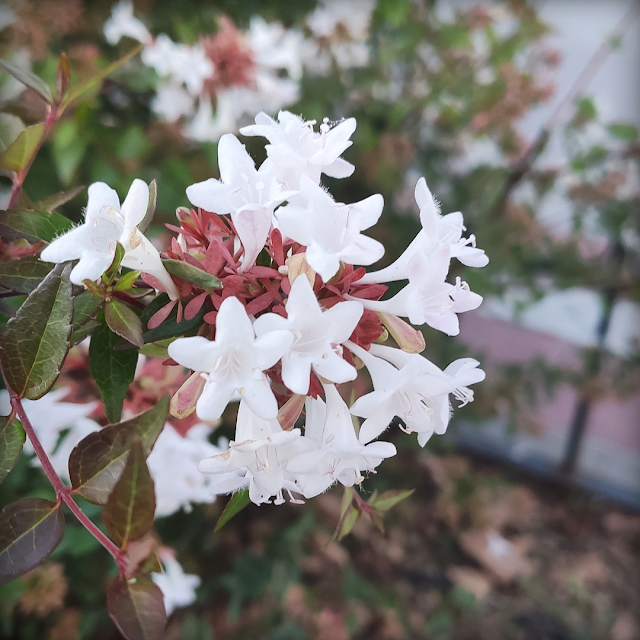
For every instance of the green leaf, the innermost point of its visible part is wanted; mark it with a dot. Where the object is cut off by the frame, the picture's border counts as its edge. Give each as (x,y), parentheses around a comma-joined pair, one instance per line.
(112,370)
(10,128)
(127,281)
(124,321)
(624,132)
(131,505)
(94,81)
(389,499)
(118,256)
(30,529)
(83,332)
(348,521)
(63,76)
(170,327)
(33,225)
(191,274)
(29,79)
(56,200)
(19,153)
(85,308)
(12,439)
(136,606)
(24,274)
(97,461)
(36,339)
(237,503)
(151,208)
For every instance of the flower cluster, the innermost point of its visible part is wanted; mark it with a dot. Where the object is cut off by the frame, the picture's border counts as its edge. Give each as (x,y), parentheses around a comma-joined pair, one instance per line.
(297,315)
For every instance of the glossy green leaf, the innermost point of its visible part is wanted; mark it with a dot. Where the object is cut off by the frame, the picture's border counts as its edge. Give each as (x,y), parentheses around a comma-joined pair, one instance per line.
(127,281)
(33,225)
(12,439)
(36,339)
(24,274)
(151,208)
(56,200)
(191,274)
(85,308)
(29,79)
(10,128)
(136,606)
(83,332)
(97,461)
(19,153)
(30,529)
(94,81)
(131,505)
(123,321)
(113,371)
(237,503)
(170,327)
(389,499)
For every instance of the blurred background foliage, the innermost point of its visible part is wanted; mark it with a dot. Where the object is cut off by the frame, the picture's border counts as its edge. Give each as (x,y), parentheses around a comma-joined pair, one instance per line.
(439,98)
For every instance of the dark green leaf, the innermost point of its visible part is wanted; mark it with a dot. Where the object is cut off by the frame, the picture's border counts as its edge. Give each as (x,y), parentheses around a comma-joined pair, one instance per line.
(36,339)
(33,225)
(625,132)
(191,274)
(136,606)
(389,499)
(170,327)
(58,199)
(94,81)
(19,153)
(151,208)
(10,128)
(131,505)
(12,439)
(30,529)
(237,503)
(112,370)
(124,321)
(83,332)
(23,275)
(29,79)
(98,460)
(85,308)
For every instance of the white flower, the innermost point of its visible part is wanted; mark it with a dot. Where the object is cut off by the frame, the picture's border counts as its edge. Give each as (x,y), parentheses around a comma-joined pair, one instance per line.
(178,587)
(257,458)
(204,126)
(106,224)
(122,23)
(331,230)
(173,464)
(297,150)
(437,231)
(275,47)
(413,388)
(338,454)
(249,195)
(318,335)
(172,101)
(234,363)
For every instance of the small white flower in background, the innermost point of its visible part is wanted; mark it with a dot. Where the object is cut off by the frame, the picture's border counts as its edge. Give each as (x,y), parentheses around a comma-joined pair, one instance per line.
(331,230)
(297,150)
(178,587)
(122,23)
(318,335)
(172,101)
(106,223)
(233,363)
(173,464)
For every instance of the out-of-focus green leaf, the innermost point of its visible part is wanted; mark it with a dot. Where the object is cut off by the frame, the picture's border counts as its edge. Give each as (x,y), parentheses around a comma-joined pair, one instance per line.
(10,128)
(63,76)
(24,274)
(624,132)
(28,79)
(12,439)
(389,499)
(36,339)
(131,505)
(237,503)
(113,371)
(95,80)
(97,461)
(19,153)
(136,606)
(123,321)
(68,146)
(56,200)
(33,225)
(191,274)
(30,529)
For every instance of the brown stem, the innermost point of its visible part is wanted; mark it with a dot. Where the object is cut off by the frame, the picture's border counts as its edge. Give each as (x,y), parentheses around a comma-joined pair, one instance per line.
(62,491)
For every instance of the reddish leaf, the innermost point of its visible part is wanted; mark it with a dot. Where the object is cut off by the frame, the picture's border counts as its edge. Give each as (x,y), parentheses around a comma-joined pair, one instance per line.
(130,508)
(30,529)
(136,606)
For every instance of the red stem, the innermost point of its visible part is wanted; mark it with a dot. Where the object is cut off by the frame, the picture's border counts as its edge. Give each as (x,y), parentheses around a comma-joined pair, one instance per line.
(62,491)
